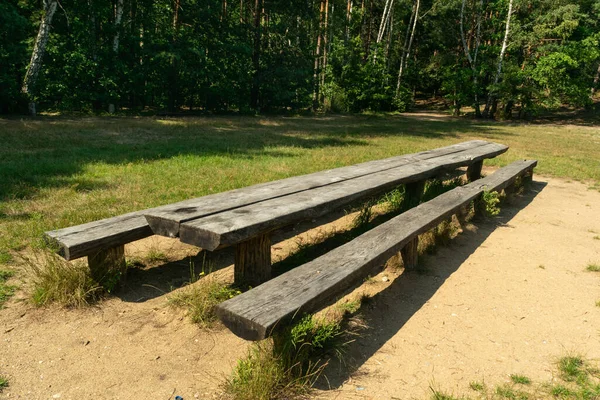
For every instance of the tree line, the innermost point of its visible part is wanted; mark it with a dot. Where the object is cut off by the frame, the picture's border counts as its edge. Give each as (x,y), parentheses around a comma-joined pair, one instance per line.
(506,58)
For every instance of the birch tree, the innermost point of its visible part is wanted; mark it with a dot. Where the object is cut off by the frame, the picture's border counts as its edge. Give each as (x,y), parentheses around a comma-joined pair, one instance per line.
(37,55)
(115,46)
(491,100)
(406,49)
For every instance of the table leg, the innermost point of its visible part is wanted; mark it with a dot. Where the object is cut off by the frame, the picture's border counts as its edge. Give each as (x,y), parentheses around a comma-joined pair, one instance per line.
(253,261)
(474,171)
(105,262)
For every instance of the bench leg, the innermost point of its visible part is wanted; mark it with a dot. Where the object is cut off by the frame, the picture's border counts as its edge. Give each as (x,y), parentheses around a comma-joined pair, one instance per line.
(474,171)
(410,254)
(253,261)
(412,195)
(106,261)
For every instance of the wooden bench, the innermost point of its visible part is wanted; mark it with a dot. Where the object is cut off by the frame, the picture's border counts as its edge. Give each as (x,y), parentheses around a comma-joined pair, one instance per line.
(253,315)
(245,217)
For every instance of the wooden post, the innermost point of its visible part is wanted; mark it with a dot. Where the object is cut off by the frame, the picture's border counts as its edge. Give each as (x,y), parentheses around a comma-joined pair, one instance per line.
(412,197)
(253,261)
(528,177)
(106,261)
(410,254)
(474,171)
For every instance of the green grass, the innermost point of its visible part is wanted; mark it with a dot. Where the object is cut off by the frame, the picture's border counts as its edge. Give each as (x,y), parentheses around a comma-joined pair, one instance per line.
(577,379)
(6,290)
(287,365)
(201,297)
(3,382)
(593,267)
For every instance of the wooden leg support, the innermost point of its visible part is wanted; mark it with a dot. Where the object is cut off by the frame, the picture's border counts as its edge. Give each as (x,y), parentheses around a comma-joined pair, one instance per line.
(412,195)
(474,171)
(104,262)
(253,261)
(410,254)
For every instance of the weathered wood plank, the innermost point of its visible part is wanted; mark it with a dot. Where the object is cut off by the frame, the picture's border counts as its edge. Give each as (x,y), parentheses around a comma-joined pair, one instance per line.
(89,238)
(240,224)
(168,219)
(254,314)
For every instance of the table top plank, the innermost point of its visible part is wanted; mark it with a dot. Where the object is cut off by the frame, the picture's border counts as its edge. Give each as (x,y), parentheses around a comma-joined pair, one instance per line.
(166,220)
(240,224)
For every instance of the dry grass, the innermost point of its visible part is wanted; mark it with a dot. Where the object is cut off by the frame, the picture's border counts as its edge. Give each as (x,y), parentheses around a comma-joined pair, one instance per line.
(54,280)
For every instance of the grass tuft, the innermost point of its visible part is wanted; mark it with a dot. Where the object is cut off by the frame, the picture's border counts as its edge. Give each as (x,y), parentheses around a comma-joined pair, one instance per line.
(155,256)
(3,383)
(477,386)
(288,364)
(571,368)
(55,280)
(437,394)
(6,290)
(201,298)
(520,379)
(593,267)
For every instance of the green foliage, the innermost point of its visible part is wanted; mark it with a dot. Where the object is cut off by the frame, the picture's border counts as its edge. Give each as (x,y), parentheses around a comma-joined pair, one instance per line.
(3,382)
(593,267)
(489,203)
(521,379)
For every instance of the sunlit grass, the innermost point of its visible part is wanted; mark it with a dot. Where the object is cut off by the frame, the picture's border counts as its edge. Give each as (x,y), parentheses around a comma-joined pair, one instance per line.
(57,172)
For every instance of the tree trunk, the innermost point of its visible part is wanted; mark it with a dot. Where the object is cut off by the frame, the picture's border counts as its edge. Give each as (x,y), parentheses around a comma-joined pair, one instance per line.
(256,56)
(317,68)
(491,95)
(406,53)
(37,55)
(115,47)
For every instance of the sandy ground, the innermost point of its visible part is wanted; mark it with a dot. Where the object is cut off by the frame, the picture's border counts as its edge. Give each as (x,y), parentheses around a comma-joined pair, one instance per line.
(508,295)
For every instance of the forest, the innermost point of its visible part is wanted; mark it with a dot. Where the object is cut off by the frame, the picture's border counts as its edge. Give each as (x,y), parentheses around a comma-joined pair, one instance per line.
(499,58)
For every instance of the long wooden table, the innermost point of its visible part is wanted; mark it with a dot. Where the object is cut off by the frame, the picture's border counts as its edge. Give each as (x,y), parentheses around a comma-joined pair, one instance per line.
(245,217)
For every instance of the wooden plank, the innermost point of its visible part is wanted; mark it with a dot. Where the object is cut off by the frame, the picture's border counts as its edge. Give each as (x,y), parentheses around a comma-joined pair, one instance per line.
(89,238)
(254,314)
(240,224)
(167,220)
(252,261)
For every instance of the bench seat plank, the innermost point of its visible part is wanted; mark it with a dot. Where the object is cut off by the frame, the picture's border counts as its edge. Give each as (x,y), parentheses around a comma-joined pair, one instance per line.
(89,238)
(235,226)
(254,314)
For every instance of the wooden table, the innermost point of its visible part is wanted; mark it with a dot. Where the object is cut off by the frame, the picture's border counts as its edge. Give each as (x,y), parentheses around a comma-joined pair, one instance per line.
(245,217)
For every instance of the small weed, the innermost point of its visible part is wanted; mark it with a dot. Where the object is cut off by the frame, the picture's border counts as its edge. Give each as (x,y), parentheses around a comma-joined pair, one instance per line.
(561,391)
(489,203)
(393,200)
(598,303)
(155,256)
(3,382)
(55,280)
(365,214)
(349,307)
(477,386)
(508,392)
(6,291)
(201,299)
(597,237)
(571,368)
(520,379)
(439,395)
(593,267)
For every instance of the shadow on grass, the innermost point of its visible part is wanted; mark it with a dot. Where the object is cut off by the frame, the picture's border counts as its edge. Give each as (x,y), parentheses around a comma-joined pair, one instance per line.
(409,292)
(53,152)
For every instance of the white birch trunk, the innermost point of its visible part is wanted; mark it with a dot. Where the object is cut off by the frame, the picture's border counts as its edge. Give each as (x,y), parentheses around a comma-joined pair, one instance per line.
(387,11)
(596,79)
(491,95)
(406,53)
(472,60)
(37,55)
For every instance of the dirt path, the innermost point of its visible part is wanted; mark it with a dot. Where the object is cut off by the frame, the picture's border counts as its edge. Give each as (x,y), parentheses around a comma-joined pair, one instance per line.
(508,297)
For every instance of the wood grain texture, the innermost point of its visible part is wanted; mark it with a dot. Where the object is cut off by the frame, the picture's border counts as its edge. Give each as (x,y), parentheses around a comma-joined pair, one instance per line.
(167,220)
(252,265)
(86,239)
(240,224)
(253,315)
